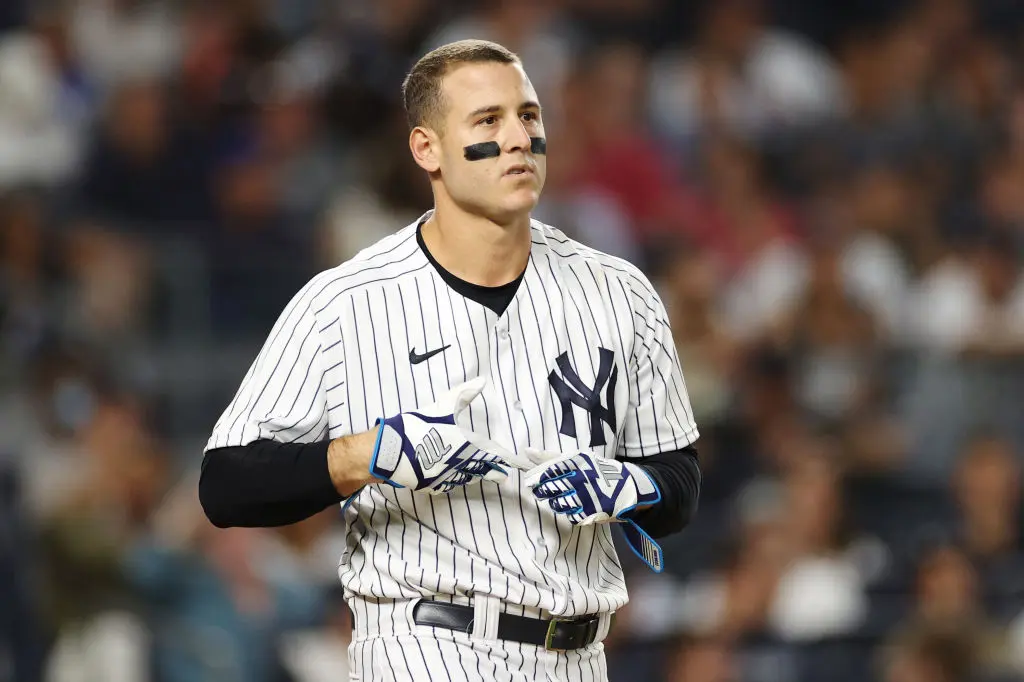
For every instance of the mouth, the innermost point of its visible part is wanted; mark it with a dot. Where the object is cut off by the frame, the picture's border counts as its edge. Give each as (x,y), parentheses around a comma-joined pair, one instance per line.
(519,170)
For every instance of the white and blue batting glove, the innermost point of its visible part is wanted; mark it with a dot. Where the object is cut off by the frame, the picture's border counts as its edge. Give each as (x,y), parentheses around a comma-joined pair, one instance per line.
(586,490)
(426,449)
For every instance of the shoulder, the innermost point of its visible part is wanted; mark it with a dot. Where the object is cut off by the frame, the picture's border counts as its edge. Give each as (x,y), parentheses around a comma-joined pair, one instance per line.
(567,253)
(392,257)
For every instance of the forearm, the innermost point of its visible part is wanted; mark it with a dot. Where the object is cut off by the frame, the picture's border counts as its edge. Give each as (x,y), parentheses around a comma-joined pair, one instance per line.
(678,477)
(266,483)
(348,461)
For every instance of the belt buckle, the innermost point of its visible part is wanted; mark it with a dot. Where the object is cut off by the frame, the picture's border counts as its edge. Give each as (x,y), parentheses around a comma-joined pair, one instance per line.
(552,624)
(591,630)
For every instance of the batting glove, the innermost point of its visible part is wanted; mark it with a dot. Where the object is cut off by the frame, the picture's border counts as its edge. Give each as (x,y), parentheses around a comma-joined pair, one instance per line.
(427,450)
(586,490)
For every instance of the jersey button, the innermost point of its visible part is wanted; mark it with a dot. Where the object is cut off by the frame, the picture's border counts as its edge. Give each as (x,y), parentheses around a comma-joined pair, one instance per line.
(503,334)
(517,406)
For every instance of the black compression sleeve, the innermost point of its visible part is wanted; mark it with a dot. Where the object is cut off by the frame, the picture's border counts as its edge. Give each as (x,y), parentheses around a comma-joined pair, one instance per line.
(678,477)
(266,483)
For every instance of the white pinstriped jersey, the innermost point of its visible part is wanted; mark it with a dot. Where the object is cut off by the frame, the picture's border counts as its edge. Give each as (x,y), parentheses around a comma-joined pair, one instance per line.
(582,360)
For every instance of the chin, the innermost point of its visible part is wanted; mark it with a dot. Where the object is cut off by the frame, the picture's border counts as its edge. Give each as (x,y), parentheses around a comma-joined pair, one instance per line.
(508,209)
(522,201)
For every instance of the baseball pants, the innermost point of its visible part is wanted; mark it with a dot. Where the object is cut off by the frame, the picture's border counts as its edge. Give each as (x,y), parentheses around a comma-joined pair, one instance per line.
(388,646)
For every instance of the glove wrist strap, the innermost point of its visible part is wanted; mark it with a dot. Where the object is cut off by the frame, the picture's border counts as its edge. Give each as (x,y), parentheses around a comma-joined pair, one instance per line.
(643,545)
(387,453)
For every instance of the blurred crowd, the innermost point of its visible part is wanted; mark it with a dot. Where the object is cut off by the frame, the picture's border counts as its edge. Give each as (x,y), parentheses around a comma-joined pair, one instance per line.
(829,197)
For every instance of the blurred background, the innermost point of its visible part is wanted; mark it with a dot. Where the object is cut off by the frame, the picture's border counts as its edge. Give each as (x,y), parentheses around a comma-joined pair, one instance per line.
(829,197)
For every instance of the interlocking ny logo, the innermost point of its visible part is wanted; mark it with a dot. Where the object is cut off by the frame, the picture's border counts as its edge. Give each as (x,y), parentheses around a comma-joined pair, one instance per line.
(571,390)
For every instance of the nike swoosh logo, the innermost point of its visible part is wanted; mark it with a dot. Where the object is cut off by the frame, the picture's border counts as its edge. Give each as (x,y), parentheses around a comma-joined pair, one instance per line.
(416,358)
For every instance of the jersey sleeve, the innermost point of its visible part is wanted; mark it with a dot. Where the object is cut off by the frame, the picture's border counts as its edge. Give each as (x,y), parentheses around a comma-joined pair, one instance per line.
(659,417)
(282,396)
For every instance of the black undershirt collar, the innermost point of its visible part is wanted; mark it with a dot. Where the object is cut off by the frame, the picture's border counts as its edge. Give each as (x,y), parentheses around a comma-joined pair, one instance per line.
(495,298)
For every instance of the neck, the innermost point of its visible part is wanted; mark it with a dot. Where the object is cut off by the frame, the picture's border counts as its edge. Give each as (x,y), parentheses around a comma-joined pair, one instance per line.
(476,249)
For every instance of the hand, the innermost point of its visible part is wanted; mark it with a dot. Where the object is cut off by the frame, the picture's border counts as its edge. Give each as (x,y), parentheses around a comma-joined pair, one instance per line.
(425,449)
(589,489)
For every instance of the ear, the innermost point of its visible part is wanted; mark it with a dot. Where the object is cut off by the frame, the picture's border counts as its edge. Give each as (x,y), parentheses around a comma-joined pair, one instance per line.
(425,148)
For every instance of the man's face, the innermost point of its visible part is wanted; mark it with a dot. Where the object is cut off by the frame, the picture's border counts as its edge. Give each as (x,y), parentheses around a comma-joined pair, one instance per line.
(491,102)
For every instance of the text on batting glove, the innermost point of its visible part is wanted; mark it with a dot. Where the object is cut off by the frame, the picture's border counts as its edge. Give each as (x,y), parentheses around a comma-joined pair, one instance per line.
(588,489)
(426,449)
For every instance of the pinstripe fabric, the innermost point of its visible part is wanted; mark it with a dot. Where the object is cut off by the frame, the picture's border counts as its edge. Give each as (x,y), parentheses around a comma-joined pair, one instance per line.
(404,652)
(338,358)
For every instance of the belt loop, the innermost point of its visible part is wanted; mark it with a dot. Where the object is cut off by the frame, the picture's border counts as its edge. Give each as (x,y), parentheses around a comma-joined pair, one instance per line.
(604,624)
(486,610)
(410,612)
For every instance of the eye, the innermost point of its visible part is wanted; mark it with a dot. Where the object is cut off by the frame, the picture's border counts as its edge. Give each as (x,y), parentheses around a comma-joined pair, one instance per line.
(529,116)
(490,120)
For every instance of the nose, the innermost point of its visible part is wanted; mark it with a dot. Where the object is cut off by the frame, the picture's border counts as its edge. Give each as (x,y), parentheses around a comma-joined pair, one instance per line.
(518,139)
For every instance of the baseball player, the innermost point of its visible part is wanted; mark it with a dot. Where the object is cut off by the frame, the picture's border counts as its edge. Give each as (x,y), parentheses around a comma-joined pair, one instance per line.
(486,399)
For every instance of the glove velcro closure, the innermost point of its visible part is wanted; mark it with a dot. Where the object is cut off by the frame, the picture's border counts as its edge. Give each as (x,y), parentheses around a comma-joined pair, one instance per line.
(388,453)
(647,490)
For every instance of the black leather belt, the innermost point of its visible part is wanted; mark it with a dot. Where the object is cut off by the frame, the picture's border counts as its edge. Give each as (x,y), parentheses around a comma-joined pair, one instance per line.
(554,635)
